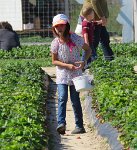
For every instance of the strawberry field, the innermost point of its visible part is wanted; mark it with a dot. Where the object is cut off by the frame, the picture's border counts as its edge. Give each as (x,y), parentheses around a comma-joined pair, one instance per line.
(115,92)
(23,96)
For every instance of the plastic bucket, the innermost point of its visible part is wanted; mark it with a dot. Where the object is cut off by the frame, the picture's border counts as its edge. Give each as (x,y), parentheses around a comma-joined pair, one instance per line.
(82,83)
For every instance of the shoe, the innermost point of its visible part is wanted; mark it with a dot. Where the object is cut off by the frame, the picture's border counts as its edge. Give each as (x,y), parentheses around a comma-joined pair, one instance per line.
(78,131)
(61,129)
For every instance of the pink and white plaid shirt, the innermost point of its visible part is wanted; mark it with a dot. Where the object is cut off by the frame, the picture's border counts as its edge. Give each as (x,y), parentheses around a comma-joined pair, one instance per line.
(67,53)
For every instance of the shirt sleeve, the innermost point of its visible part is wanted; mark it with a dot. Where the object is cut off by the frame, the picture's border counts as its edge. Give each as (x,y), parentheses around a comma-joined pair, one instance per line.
(78,40)
(85,27)
(54,46)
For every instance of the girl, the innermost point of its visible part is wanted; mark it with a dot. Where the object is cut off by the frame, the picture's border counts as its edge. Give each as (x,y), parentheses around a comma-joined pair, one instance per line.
(88,25)
(65,49)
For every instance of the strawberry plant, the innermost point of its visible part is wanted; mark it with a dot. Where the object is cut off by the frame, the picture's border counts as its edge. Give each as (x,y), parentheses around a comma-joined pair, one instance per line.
(22,107)
(115,92)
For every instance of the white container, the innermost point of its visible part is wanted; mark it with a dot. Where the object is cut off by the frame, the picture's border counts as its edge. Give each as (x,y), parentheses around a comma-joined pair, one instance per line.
(28,26)
(82,83)
(78,29)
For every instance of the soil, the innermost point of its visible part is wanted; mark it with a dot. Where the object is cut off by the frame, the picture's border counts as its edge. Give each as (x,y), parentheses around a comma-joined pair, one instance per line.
(87,141)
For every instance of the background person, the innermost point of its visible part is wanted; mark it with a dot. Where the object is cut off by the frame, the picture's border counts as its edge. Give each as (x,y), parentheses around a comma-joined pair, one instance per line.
(8,38)
(65,49)
(101,34)
(88,25)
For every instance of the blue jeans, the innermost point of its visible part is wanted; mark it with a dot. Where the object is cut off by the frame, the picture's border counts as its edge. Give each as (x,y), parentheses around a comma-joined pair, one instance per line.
(92,57)
(62,102)
(101,35)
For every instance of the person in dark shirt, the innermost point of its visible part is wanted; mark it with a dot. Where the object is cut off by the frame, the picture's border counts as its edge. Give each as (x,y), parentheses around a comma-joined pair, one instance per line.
(8,38)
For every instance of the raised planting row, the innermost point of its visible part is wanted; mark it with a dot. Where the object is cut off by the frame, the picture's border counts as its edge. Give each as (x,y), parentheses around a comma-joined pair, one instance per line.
(115,92)
(126,49)
(43,51)
(22,107)
(27,52)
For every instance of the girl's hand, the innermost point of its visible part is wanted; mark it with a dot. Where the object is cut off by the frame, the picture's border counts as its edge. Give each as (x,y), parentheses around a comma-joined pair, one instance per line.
(99,22)
(81,64)
(104,21)
(71,67)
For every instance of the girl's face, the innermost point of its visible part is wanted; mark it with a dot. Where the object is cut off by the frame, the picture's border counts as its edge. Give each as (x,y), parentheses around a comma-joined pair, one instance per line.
(60,29)
(90,17)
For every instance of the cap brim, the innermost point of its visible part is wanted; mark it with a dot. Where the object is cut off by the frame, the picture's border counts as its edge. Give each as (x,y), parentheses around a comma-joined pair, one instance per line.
(59,22)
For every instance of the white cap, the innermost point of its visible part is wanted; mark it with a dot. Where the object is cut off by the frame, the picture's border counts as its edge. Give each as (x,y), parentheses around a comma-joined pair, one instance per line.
(60,19)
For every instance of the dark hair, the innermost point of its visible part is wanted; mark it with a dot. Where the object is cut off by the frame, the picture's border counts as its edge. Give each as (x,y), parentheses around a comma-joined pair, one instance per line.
(66,32)
(6,25)
(87,11)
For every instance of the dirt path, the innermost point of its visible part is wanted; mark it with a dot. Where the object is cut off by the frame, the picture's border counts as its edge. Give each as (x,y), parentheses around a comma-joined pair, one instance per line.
(88,141)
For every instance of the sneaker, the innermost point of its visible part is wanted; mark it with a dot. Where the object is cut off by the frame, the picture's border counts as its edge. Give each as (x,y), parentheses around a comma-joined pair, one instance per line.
(61,129)
(78,131)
